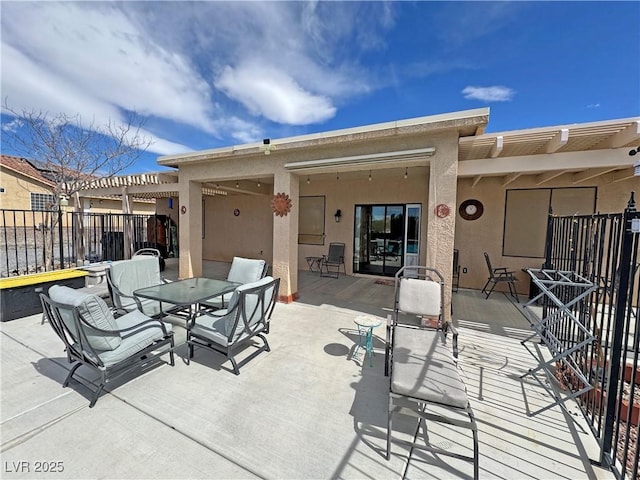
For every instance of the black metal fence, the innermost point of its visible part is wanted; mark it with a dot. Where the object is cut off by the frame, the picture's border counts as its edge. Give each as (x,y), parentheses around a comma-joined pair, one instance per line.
(604,249)
(36,241)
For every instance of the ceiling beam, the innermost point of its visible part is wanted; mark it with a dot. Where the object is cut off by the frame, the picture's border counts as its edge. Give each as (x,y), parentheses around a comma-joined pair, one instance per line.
(534,164)
(548,176)
(590,174)
(497,147)
(476,180)
(510,178)
(621,175)
(558,141)
(625,136)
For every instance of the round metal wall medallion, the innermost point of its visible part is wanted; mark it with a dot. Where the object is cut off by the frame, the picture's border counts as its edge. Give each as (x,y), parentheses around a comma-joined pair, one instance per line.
(471,209)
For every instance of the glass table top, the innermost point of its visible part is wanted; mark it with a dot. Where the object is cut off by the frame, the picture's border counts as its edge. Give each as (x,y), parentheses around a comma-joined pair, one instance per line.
(188,291)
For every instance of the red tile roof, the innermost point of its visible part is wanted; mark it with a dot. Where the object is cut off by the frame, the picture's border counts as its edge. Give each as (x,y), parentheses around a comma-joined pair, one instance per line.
(23,167)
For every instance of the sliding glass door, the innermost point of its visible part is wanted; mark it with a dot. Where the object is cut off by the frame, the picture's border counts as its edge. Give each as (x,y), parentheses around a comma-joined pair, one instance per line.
(380,238)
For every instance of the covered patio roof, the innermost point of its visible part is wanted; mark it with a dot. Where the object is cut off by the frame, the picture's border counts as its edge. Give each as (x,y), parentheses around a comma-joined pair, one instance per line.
(583,151)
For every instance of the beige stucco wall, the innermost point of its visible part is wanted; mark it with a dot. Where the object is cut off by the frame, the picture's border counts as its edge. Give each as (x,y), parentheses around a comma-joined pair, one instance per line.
(17,190)
(250,234)
(344,194)
(472,238)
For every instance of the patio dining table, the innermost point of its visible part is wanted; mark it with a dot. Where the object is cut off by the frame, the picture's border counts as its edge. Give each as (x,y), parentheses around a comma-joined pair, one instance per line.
(187,293)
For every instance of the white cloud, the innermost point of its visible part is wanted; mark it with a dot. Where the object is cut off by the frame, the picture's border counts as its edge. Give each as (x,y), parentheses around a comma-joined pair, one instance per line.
(593,105)
(223,68)
(98,54)
(269,92)
(489,94)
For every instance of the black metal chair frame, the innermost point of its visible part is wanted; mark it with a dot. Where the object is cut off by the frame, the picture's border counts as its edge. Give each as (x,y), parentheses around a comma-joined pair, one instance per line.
(333,259)
(80,351)
(499,275)
(242,316)
(442,329)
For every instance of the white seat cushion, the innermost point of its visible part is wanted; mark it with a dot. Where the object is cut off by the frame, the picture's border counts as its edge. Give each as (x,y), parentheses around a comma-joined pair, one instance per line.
(421,297)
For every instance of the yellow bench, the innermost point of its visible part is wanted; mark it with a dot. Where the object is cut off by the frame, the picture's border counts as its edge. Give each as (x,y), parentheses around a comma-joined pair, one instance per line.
(20,296)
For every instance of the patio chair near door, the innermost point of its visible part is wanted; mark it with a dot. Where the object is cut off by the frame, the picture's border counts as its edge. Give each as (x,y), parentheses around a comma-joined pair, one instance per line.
(499,275)
(330,264)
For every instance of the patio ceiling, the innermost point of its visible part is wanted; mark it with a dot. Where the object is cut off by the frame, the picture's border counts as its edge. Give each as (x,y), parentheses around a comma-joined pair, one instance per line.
(526,152)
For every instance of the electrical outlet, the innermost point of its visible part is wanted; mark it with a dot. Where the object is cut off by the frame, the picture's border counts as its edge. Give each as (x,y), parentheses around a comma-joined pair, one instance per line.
(464,270)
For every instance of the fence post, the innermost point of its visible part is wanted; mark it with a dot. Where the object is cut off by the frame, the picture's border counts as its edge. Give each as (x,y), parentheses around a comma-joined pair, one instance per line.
(616,346)
(549,241)
(60,239)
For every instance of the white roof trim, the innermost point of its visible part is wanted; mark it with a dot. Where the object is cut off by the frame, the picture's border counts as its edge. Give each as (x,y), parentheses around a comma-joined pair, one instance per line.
(369,159)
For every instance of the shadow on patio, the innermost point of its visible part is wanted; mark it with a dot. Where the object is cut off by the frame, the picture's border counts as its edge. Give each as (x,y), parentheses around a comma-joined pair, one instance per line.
(307,409)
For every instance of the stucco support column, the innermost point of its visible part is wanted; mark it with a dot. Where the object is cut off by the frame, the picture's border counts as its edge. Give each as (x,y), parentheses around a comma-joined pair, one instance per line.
(285,238)
(443,179)
(190,229)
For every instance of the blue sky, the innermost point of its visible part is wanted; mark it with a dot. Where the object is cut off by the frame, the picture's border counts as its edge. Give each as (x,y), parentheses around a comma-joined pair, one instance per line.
(213,74)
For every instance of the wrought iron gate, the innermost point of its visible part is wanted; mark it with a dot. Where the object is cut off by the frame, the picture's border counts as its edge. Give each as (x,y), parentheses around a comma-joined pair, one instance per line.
(604,249)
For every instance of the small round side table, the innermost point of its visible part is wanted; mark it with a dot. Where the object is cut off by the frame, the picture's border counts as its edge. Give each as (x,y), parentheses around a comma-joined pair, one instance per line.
(365,335)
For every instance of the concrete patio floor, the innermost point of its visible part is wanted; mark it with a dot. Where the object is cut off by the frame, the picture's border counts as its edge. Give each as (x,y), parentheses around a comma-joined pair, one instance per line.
(308,409)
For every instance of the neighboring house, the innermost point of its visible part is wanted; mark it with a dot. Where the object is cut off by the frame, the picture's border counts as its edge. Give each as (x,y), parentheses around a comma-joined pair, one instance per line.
(24,186)
(397,193)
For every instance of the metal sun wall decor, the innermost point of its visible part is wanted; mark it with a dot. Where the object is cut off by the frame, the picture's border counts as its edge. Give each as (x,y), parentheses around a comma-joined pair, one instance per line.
(281,204)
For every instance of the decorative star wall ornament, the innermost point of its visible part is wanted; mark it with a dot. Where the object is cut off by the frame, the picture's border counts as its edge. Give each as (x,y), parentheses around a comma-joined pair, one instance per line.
(281,204)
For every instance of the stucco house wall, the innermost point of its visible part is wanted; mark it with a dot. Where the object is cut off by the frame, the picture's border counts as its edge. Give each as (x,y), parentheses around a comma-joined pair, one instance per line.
(472,238)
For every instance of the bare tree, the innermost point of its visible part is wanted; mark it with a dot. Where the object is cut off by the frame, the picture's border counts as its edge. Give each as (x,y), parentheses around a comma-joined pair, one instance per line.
(72,154)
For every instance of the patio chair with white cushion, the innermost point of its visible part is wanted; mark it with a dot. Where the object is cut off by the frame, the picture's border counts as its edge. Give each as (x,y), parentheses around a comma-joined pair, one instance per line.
(247,316)
(93,337)
(243,270)
(422,361)
(126,276)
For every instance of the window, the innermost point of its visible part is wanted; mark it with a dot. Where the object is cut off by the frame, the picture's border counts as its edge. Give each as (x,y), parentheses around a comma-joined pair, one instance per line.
(526,213)
(42,201)
(311,220)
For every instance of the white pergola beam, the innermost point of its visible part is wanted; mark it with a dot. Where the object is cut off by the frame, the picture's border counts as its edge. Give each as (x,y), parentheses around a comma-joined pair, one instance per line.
(476,180)
(134,189)
(558,141)
(497,147)
(590,174)
(621,175)
(625,136)
(510,178)
(532,164)
(548,176)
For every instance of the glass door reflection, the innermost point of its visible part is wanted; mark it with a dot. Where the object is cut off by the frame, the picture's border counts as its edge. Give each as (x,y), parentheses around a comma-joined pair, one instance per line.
(379,239)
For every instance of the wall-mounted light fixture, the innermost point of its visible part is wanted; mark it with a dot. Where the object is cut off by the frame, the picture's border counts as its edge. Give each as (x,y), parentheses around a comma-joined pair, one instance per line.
(338,215)
(259,184)
(369,175)
(64,201)
(308,180)
(237,184)
(406,172)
